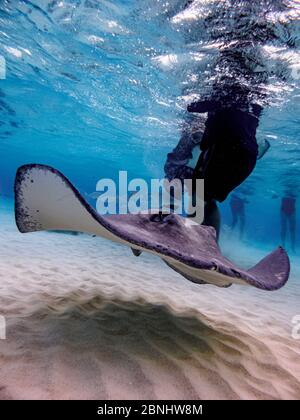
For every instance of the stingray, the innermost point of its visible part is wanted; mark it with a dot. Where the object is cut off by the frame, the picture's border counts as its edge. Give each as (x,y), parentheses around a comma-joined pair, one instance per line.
(46,200)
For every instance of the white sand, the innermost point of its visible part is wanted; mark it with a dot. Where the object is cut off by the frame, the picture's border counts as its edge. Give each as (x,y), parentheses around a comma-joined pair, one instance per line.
(86,319)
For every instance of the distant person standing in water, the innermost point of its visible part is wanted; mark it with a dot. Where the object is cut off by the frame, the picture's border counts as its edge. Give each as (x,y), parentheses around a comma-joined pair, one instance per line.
(237,205)
(288,218)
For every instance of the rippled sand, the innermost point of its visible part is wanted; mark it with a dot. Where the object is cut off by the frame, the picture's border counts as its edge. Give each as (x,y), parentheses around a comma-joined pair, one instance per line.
(86,319)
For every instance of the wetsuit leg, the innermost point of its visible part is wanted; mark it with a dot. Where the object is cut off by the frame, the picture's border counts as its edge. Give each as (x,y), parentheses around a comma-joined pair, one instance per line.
(212,216)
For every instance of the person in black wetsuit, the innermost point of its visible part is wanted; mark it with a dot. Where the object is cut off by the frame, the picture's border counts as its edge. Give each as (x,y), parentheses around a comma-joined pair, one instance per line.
(288,218)
(228,151)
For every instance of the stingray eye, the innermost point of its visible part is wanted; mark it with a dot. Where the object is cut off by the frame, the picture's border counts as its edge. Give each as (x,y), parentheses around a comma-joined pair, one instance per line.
(161,217)
(156,217)
(236,273)
(214,267)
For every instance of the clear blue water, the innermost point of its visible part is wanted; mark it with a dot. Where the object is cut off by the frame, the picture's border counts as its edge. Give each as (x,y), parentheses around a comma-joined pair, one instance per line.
(94,87)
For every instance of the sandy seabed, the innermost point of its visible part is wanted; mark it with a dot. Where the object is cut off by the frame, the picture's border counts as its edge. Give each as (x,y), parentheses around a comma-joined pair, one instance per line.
(86,319)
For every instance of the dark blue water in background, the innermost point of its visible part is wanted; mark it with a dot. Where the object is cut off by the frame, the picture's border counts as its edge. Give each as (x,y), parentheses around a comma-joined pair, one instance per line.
(94,87)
